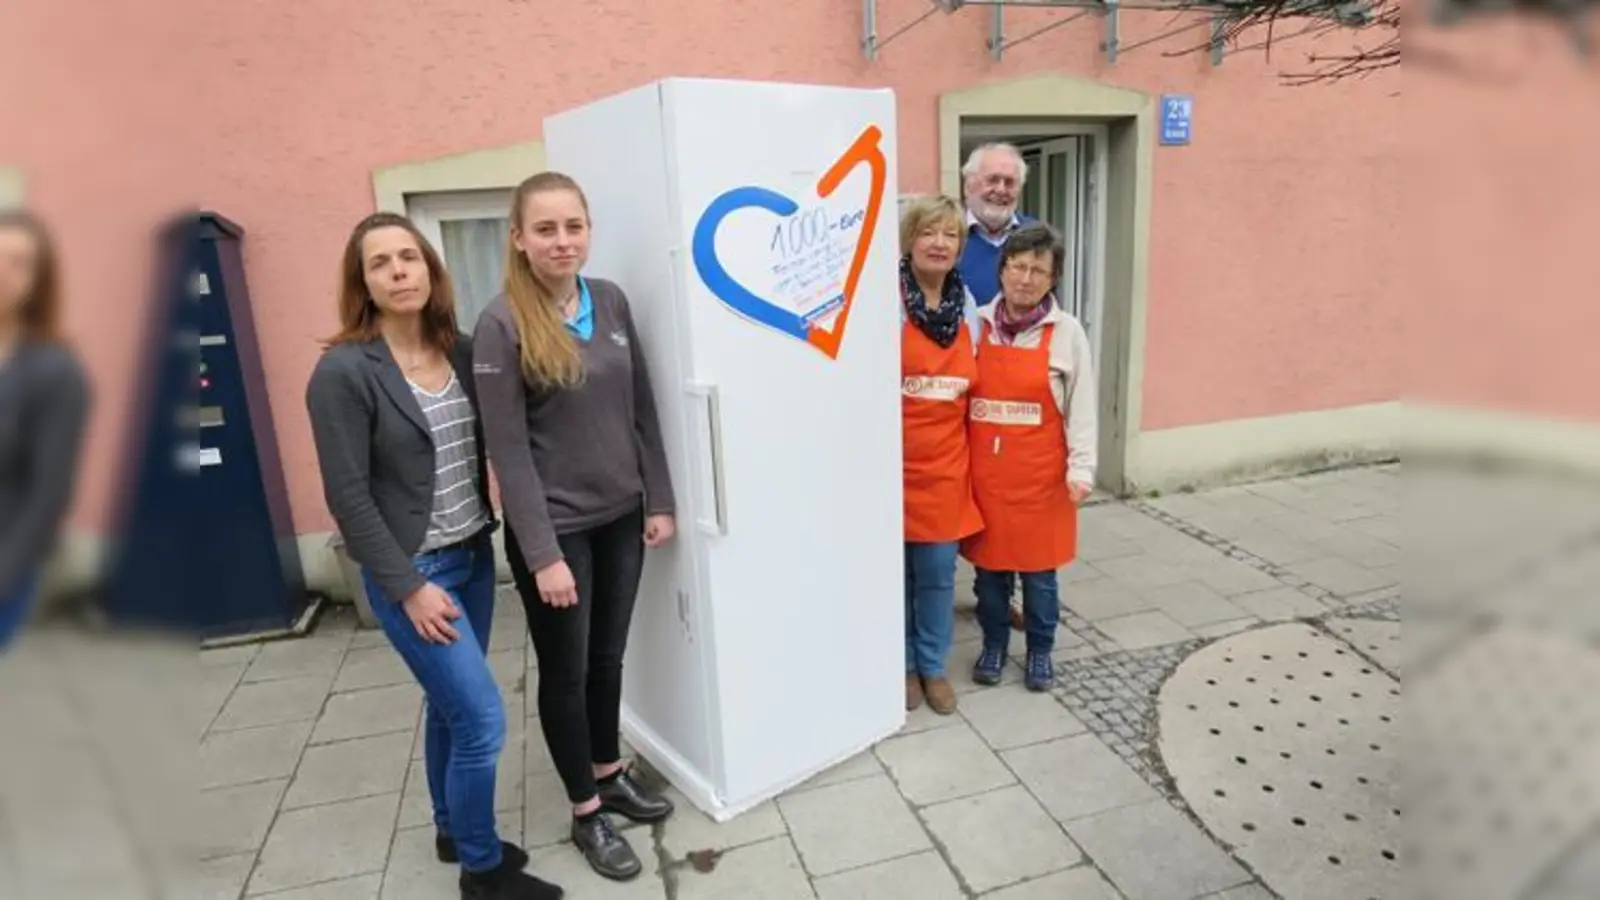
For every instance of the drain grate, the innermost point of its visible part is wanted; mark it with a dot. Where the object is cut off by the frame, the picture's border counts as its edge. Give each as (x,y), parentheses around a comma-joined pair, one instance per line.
(1281,741)
(1506,778)
(1576,877)
(1377,639)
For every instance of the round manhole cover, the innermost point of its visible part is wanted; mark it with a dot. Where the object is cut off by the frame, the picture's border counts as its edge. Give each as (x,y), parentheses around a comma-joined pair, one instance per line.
(1503,761)
(1281,741)
(1377,639)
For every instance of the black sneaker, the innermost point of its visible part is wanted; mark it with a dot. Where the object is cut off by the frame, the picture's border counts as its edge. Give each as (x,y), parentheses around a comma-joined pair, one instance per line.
(608,853)
(511,856)
(989,665)
(1041,672)
(626,797)
(507,883)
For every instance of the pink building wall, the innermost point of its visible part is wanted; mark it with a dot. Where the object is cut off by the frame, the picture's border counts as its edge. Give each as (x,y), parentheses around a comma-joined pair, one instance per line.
(1502,219)
(1272,284)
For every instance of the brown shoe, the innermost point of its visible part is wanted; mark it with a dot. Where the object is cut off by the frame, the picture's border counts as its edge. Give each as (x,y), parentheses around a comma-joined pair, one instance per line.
(913,691)
(941,696)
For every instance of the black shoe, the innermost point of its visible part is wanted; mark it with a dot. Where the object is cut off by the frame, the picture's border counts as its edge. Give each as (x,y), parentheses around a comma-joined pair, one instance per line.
(625,797)
(989,666)
(608,853)
(1041,672)
(507,883)
(511,856)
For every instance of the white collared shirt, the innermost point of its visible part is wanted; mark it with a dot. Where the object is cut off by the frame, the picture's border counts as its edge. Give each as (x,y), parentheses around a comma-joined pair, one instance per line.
(982,230)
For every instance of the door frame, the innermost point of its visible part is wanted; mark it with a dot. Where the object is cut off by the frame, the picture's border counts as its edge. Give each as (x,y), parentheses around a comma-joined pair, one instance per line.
(1130,119)
(1041,136)
(1071,227)
(1099,140)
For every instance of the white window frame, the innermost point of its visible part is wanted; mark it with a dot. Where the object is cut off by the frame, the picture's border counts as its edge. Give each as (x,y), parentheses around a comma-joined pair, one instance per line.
(432,209)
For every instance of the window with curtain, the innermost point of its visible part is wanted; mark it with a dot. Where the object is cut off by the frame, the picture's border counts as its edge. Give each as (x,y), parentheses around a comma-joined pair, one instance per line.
(474,252)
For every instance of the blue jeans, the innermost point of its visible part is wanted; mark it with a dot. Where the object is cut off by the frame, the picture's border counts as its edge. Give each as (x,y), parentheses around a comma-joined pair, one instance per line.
(930,606)
(465,719)
(1041,607)
(14,609)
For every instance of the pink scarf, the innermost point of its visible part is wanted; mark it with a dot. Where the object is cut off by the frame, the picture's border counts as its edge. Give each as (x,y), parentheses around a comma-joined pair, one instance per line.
(1008,326)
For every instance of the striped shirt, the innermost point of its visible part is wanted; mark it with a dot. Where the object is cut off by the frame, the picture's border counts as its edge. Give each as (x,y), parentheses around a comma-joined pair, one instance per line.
(457,512)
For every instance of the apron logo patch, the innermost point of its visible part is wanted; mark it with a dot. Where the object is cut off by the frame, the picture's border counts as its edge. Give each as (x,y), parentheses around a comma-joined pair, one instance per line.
(1007,412)
(934,387)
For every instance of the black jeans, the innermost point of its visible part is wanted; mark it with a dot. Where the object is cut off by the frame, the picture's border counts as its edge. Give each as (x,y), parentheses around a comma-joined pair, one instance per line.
(580,647)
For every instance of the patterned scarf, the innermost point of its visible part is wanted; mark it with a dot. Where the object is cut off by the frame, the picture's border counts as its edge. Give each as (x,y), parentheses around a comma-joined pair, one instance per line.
(940,323)
(1009,326)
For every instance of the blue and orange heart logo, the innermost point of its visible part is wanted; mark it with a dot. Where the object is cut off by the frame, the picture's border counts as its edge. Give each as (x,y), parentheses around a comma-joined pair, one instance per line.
(811,270)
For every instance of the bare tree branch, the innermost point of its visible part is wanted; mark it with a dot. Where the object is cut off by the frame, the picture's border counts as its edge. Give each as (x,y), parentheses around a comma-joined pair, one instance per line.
(1374,26)
(1242,19)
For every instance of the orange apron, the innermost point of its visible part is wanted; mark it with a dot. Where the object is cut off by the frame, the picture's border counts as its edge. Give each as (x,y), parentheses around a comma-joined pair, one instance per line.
(933,418)
(1019,462)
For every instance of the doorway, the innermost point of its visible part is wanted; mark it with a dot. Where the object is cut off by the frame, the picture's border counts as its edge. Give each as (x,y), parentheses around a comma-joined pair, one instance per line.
(1065,187)
(1117,131)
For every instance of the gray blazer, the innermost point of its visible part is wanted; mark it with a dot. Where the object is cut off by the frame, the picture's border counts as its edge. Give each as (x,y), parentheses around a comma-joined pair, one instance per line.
(44,404)
(376,454)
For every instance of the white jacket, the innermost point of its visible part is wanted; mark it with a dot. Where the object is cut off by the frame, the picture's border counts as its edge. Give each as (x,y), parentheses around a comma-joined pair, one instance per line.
(1072,384)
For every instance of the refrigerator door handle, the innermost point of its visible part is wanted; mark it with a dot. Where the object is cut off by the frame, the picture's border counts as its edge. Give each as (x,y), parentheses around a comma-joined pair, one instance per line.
(719,486)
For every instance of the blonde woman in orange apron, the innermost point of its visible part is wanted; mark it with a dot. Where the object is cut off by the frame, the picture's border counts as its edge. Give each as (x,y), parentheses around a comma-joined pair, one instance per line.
(1033,437)
(936,367)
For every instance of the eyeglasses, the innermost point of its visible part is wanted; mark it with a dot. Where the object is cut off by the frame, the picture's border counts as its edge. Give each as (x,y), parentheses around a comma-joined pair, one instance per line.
(1023,270)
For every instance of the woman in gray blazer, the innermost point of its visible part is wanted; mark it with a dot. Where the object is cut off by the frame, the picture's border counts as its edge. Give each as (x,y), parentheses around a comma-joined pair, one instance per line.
(44,400)
(394,415)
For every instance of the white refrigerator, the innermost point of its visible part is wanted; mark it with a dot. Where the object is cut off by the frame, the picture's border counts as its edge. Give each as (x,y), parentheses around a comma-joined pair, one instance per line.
(753,226)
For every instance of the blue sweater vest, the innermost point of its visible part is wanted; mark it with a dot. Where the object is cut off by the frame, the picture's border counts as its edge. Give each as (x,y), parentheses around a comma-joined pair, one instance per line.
(980,265)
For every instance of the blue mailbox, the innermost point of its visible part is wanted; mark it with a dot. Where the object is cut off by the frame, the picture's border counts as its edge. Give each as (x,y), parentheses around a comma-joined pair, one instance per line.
(203,540)
(251,554)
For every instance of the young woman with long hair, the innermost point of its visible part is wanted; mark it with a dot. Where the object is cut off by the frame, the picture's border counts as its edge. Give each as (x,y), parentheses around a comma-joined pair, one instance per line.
(574,439)
(44,402)
(394,414)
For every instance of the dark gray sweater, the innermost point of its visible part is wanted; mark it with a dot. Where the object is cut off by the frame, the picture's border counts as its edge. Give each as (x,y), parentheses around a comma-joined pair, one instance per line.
(375,450)
(44,402)
(568,460)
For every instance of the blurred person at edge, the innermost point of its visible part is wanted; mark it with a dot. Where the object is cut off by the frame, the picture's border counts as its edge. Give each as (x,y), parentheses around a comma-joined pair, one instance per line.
(1033,437)
(44,402)
(393,409)
(937,342)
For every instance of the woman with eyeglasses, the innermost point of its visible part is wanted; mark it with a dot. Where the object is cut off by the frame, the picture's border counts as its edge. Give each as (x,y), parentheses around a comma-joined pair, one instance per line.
(44,401)
(1033,437)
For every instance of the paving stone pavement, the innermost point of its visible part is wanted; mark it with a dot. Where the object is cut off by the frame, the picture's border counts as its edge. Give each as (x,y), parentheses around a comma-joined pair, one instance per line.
(312,786)
(312,746)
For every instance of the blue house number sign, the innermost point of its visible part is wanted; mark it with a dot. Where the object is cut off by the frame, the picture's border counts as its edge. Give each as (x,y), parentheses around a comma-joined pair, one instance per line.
(1177,111)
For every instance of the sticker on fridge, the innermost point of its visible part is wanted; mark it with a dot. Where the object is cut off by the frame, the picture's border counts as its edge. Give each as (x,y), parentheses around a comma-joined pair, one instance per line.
(789,257)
